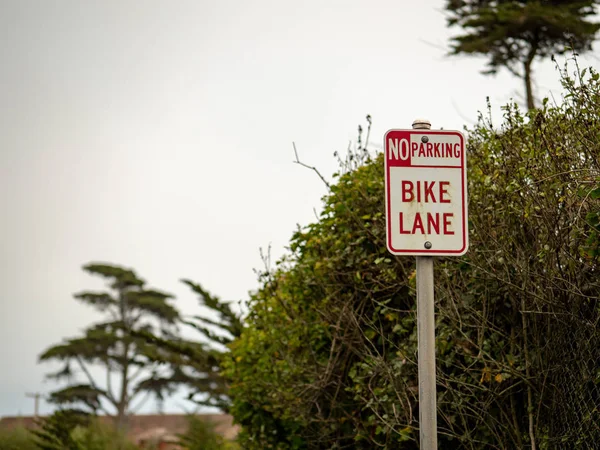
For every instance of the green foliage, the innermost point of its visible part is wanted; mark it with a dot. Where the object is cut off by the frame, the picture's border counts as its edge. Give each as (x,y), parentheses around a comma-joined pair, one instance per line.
(328,356)
(293,367)
(77,430)
(208,386)
(512,33)
(17,439)
(130,308)
(228,323)
(201,435)
(524,300)
(97,437)
(56,432)
(196,364)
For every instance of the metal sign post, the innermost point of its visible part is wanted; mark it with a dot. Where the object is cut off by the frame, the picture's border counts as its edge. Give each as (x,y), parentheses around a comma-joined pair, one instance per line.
(426,351)
(426,216)
(426,343)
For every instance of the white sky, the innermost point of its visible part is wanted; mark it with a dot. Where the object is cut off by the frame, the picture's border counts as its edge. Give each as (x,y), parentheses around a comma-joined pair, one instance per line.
(158,135)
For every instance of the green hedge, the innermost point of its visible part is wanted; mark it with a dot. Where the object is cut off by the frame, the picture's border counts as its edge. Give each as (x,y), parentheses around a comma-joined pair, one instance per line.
(328,357)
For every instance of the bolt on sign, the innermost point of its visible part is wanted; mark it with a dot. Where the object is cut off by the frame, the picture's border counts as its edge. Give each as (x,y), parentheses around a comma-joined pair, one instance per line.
(426,192)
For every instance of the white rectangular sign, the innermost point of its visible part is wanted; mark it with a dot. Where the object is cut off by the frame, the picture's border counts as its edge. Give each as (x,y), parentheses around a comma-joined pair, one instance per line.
(426,192)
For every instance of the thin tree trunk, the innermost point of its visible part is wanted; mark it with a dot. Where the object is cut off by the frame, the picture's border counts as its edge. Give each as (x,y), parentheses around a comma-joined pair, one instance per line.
(527,76)
(123,397)
(528,376)
(529,88)
(123,400)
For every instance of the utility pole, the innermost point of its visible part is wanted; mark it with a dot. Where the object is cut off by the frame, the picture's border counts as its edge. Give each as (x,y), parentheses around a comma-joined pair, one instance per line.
(36,396)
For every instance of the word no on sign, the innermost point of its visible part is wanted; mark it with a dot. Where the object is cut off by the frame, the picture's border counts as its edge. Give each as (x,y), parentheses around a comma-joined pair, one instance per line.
(426,192)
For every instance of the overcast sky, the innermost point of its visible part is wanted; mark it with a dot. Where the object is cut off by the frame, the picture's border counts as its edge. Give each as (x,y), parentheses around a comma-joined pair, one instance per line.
(158,135)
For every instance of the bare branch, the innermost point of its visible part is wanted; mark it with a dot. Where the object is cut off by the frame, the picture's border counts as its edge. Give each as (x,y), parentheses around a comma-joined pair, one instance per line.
(314,169)
(92,381)
(134,409)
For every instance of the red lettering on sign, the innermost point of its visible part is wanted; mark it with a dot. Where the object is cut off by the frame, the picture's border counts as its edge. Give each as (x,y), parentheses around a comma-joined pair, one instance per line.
(414,146)
(418,224)
(407,191)
(431,223)
(444,192)
(402,230)
(429,191)
(429,150)
(448,150)
(447,223)
(425,191)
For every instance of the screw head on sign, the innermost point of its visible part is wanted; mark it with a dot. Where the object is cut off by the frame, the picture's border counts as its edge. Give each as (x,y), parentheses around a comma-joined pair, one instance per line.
(428,245)
(424,139)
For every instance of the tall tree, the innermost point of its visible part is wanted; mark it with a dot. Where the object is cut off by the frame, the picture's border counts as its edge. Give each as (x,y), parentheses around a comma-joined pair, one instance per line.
(208,386)
(512,33)
(114,344)
(197,363)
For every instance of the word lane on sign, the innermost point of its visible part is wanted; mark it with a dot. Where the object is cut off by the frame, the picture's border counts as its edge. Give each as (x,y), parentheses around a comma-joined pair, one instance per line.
(426,192)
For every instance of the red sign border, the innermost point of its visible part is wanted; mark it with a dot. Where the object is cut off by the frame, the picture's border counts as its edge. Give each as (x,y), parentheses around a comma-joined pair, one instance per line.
(462,167)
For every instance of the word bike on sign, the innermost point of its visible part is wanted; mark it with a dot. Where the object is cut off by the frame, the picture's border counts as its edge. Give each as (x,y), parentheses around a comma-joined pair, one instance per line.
(426,192)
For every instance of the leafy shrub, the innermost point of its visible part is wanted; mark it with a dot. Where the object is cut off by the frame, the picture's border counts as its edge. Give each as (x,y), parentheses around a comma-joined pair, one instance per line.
(77,430)
(328,357)
(201,435)
(16,439)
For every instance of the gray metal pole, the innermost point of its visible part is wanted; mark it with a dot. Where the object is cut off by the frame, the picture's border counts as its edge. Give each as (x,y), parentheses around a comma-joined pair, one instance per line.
(426,332)
(35,396)
(426,343)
